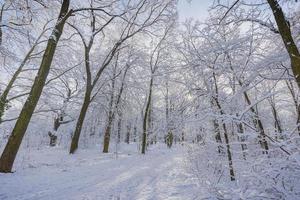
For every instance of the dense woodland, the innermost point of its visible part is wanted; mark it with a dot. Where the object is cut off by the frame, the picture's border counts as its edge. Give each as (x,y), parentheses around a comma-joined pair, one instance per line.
(97,73)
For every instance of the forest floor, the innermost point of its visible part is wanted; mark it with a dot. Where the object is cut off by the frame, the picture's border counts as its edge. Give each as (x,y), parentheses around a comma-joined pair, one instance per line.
(90,175)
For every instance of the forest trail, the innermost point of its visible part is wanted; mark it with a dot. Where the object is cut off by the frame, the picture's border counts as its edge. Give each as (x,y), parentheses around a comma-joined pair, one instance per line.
(160,174)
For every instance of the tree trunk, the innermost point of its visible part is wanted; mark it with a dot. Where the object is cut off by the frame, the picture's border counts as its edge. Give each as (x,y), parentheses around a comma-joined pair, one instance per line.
(242,139)
(119,127)
(127,140)
(87,98)
(229,155)
(134,132)
(150,125)
(258,124)
(295,100)
(144,140)
(110,113)
(79,124)
(107,135)
(11,149)
(1,17)
(286,35)
(218,136)
(277,124)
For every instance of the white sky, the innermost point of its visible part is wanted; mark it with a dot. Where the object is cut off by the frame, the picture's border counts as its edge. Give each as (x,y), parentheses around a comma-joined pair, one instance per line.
(196,9)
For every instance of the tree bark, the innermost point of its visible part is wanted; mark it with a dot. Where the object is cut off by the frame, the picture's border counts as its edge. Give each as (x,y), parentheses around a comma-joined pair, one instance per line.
(79,124)
(277,124)
(296,103)
(119,126)
(11,149)
(242,139)
(107,136)
(229,154)
(258,124)
(127,139)
(286,35)
(144,140)
(113,109)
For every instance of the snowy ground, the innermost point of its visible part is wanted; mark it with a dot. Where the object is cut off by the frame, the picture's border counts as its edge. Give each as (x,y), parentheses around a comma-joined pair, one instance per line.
(89,174)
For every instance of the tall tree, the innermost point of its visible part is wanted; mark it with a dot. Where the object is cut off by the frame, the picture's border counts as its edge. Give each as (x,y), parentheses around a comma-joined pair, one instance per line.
(287,37)
(138,20)
(4,95)
(11,149)
(154,63)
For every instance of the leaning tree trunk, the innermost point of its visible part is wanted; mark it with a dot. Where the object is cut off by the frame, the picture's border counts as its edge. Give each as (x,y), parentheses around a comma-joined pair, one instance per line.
(113,109)
(277,124)
(218,135)
(79,124)
(11,149)
(296,103)
(228,150)
(86,101)
(286,35)
(146,115)
(258,124)
(1,17)
(218,105)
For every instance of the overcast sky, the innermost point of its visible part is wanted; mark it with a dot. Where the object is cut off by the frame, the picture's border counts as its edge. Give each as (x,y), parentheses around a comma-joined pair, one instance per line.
(196,9)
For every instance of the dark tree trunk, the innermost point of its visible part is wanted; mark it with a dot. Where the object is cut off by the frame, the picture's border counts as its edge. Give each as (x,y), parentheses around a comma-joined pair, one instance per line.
(113,107)
(127,140)
(11,149)
(111,111)
(107,135)
(277,124)
(218,136)
(134,132)
(296,104)
(119,127)
(242,139)
(229,155)
(286,35)
(218,105)
(258,124)
(1,18)
(79,124)
(144,140)
(150,125)
(87,98)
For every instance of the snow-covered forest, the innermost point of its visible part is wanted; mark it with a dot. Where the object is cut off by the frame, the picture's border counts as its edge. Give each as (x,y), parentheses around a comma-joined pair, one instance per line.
(131,100)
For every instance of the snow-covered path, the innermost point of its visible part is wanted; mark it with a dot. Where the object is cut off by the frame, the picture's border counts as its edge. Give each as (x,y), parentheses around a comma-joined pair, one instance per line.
(89,175)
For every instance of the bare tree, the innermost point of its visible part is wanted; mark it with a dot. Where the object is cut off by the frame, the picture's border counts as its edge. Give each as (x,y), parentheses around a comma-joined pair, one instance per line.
(9,154)
(3,98)
(138,21)
(154,63)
